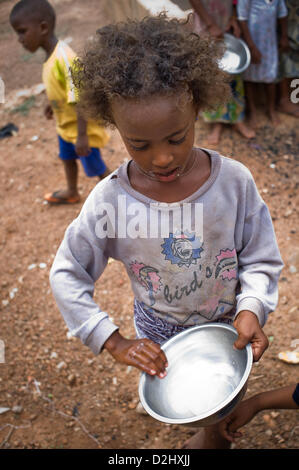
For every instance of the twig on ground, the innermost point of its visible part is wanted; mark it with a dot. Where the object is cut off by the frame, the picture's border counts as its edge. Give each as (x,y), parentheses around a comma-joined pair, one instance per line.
(12,428)
(61,413)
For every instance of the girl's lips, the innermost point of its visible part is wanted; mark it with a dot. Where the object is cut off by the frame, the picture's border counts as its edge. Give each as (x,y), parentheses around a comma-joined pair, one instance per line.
(169,176)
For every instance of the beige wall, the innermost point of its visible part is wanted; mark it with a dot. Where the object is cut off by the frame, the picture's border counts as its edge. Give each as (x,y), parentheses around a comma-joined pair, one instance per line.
(119,10)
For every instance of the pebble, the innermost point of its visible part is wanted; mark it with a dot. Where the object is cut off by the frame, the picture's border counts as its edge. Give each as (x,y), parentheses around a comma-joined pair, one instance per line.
(17,409)
(268,432)
(3,410)
(61,365)
(31,266)
(5,303)
(72,379)
(53,355)
(13,292)
(292,269)
(293,309)
(288,213)
(42,265)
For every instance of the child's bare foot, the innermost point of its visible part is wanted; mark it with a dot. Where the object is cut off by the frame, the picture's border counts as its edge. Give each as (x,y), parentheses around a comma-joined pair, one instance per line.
(245,130)
(286,107)
(62,197)
(214,136)
(274,118)
(207,438)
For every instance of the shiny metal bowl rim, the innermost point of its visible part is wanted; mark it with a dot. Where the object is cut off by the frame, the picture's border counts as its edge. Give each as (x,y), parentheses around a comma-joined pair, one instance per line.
(217,408)
(248,55)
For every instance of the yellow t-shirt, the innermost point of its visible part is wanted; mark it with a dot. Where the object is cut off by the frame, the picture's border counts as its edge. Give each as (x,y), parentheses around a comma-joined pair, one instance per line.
(61,95)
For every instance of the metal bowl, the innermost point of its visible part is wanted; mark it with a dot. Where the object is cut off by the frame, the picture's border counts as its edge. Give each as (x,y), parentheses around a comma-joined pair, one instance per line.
(236,58)
(205,380)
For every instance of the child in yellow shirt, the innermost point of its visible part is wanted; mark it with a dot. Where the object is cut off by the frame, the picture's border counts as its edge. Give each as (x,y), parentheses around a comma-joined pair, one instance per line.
(34,23)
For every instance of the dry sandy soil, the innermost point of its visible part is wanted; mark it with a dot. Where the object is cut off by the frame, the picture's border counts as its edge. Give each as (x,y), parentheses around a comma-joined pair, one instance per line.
(59,394)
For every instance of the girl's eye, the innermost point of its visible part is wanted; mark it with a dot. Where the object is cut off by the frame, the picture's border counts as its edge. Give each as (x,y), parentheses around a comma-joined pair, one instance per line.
(177,142)
(144,147)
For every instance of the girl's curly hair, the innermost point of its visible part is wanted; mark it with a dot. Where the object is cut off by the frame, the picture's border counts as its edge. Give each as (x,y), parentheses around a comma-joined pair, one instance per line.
(154,56)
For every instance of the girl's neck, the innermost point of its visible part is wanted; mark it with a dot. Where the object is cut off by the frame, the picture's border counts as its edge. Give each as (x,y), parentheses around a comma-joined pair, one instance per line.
(49,45)
(178,190)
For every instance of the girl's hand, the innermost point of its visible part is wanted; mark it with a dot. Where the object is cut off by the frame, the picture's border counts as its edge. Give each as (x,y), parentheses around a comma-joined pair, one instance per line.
(82,146)
(214,30)
(233,24)
(256,56)
(141,353)
(250,331)
(244,413)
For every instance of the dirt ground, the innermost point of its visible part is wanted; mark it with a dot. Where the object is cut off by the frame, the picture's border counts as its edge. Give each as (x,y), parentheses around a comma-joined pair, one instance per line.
(59,395)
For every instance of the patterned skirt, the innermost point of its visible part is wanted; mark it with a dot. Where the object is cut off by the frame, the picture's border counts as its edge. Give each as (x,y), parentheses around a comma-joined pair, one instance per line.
(148,325)
(232,112)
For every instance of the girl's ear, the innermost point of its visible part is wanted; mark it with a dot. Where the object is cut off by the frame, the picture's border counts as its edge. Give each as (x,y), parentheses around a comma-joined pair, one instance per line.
(44,28)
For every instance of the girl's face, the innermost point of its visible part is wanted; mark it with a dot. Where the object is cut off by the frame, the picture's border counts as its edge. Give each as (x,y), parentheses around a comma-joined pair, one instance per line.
(158,133)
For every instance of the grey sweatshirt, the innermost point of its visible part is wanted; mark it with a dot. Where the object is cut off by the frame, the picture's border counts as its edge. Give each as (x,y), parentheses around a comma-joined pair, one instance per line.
(191,262)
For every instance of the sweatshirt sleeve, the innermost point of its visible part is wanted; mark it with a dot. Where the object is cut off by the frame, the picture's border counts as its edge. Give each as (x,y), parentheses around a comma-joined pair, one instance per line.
(259,260)
(243,10)
(79,262)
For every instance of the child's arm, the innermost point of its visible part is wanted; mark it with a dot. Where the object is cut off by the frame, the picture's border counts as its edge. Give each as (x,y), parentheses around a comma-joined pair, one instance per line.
(256,55)
(212,27)
(259,268)
(281,398)
(82,146)
(283,41)
(79,262)
(143,353)
(233,24)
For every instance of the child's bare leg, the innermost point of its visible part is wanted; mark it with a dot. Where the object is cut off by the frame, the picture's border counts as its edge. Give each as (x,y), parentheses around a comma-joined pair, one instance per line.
(245,130)
(71,174)
(214,136)
(69,195)
(271,96)
(284,104)
(250,91)
(207,438)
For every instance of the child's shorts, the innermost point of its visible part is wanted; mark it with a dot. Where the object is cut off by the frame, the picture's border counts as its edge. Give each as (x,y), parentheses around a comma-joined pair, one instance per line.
(93,164)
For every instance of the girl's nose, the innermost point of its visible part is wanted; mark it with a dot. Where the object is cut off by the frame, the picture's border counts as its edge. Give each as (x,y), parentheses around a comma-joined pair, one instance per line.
(162,159)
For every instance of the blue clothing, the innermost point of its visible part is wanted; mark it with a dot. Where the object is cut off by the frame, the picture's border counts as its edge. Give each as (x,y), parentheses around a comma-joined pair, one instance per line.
(262,16)
(93,164)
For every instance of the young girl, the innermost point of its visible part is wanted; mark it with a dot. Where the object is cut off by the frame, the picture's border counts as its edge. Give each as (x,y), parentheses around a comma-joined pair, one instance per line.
(258,20)
(214,18)
(150,78)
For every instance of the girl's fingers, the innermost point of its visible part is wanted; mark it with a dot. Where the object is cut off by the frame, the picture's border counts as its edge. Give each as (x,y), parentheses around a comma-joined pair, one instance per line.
(149,357)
